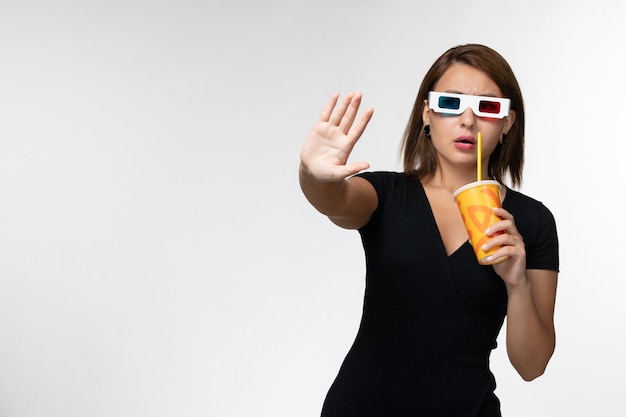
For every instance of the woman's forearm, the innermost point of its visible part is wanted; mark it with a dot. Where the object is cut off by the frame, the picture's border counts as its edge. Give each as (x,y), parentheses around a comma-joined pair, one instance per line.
(530,337)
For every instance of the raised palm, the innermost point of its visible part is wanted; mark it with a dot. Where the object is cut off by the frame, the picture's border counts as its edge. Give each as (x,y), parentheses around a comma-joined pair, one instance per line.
(327,149)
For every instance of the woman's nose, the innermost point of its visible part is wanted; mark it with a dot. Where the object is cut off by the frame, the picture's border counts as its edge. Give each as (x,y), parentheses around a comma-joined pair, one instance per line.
(468,118)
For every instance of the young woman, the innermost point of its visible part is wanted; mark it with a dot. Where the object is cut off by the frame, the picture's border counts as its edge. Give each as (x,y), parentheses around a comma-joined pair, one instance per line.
(431,312)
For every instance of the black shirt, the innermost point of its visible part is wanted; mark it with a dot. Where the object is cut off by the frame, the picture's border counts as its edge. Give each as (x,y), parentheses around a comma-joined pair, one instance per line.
(429,320)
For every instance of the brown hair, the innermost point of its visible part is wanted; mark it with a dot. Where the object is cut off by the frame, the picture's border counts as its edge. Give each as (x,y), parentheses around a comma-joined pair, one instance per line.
(419,156)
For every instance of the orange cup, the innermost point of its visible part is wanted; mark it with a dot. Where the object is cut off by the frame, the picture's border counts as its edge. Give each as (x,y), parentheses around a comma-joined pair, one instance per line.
(476,201)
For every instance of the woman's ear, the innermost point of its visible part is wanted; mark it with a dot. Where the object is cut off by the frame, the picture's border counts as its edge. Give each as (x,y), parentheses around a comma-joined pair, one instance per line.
(426,113)
(508,122)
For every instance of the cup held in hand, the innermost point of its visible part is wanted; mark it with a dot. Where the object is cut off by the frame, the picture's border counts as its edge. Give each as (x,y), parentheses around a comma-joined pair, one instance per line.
(475,202)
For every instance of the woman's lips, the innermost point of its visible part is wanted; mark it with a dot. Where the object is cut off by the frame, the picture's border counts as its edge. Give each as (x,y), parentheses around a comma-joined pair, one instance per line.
(465,142)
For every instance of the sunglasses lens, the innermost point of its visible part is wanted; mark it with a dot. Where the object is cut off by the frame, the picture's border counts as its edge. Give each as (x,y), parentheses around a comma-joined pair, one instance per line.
(492,107)
(452,103)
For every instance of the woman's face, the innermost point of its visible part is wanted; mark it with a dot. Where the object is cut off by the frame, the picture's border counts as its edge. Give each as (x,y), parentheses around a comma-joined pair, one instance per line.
(454,136)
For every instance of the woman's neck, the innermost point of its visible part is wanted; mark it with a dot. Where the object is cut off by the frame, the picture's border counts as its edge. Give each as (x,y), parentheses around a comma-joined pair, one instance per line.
(451,179)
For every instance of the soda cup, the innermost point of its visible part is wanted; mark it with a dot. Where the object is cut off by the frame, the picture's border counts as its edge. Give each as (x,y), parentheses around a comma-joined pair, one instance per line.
(475,202)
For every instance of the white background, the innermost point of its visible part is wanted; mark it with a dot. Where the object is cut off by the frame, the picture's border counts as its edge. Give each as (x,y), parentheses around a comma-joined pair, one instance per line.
(157,257)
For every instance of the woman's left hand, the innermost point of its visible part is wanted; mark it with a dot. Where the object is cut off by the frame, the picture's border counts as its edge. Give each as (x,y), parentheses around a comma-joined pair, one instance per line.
(504,233)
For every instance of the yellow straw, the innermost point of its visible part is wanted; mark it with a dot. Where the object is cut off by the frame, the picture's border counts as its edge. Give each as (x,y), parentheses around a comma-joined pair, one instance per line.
(479,147)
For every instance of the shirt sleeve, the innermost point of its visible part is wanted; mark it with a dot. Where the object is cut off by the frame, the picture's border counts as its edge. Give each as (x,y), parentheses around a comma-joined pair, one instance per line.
(380,180)
(544,251)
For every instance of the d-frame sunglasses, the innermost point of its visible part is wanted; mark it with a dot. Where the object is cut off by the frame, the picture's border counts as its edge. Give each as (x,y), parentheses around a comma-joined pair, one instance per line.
(455,104)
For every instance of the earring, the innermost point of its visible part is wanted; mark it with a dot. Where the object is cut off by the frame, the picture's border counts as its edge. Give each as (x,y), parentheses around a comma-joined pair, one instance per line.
(503,139)
(427,130)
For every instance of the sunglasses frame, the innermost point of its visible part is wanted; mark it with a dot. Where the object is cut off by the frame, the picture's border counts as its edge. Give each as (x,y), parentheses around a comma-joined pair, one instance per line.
(470,101)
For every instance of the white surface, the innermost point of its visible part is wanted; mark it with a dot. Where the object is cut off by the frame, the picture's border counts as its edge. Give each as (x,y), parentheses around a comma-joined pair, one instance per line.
(156,255)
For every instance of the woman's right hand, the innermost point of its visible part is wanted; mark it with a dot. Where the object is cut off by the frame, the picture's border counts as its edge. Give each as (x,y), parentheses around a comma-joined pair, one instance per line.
(324,156)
